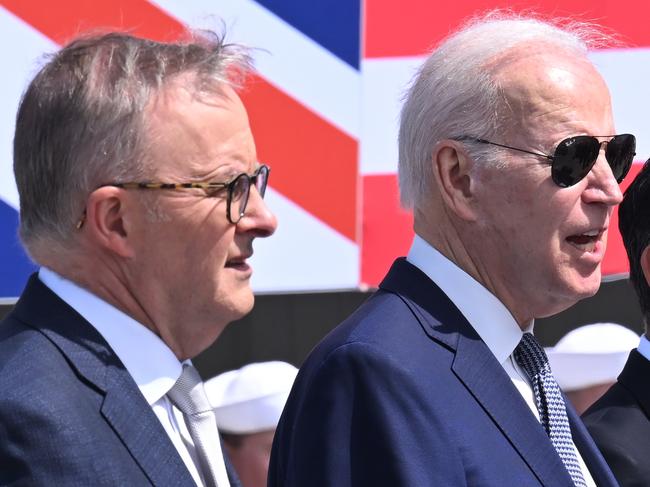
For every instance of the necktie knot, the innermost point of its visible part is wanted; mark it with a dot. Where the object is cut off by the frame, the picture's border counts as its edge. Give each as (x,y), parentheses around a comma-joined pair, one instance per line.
(188,394)
(531,356)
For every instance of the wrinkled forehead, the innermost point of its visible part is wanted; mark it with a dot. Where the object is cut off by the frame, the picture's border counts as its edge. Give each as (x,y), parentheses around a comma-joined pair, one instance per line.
(199,130)
(187,91)
(542,86)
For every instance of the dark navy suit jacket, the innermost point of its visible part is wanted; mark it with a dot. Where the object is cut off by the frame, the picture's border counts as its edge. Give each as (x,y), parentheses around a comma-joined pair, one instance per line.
(70,413)
(405,393)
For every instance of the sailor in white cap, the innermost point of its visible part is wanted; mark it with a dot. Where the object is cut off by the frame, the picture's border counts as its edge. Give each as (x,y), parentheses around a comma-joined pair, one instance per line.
(248,403)
(587,360)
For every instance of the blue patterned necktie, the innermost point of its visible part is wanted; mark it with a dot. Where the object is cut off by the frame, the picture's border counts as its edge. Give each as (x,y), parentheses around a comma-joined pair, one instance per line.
(550,403)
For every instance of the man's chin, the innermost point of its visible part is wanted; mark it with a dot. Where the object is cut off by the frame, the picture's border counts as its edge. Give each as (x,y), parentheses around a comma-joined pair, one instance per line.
(590,284)
(242,303)
(582,288)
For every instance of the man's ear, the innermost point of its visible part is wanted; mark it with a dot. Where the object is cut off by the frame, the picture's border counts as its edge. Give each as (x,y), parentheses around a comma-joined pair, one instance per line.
(645,263)
(107,221)
(452,170)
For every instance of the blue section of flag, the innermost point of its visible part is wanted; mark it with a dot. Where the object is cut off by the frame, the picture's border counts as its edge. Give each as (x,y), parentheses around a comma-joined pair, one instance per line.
(334,24)
(15,266)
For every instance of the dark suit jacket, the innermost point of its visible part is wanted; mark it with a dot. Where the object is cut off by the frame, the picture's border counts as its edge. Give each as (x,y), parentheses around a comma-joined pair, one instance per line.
(620,423)
(405,393)
(70,413)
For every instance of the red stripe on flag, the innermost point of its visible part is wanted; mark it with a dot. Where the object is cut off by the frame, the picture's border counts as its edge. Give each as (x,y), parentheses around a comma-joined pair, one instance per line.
(314,163)
(415,26)
(388,230)
(64,19)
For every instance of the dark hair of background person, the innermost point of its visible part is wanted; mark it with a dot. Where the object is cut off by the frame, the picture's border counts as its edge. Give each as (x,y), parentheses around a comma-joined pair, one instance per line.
(634,225)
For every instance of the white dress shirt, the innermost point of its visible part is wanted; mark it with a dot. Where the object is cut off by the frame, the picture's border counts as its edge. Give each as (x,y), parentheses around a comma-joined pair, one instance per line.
(487,315)
(150,362)
(644,347)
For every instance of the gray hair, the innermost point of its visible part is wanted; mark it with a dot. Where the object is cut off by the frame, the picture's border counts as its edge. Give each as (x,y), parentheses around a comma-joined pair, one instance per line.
(81,122)
(456,92)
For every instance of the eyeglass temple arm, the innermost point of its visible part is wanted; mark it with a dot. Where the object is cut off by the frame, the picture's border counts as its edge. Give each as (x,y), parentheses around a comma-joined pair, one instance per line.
(484,141)
(174,186)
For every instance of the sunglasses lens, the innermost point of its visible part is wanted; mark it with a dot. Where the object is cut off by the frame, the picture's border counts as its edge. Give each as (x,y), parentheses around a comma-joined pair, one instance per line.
(573,159)
(620,154)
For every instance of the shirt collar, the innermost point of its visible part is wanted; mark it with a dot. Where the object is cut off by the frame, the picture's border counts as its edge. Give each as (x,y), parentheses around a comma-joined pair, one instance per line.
(150,362)
(488,316)
(644,347)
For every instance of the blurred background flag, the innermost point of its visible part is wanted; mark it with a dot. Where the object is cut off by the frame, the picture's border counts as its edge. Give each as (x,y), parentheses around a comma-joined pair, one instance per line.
(324,110)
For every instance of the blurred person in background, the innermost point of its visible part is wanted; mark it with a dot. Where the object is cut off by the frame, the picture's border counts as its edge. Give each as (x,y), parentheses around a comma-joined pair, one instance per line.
(586,361)
(140,198)
(248,403)
(620,420)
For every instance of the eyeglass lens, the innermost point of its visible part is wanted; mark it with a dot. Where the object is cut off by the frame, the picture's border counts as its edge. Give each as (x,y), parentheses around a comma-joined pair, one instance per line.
(575,156)
(240,192)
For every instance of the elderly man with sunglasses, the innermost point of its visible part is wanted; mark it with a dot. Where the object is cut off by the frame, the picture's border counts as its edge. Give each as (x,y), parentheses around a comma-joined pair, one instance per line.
(140,197)
(508,158)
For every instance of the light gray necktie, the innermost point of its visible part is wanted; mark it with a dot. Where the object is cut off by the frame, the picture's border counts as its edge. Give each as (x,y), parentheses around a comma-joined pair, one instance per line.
(188,395)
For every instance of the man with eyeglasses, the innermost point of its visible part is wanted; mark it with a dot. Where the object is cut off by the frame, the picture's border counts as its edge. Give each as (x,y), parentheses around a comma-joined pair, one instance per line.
(509,160)
(140,197)
(620,420)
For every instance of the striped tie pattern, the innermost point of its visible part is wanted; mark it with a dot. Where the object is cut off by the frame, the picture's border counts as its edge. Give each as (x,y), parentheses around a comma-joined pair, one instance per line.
(550,403)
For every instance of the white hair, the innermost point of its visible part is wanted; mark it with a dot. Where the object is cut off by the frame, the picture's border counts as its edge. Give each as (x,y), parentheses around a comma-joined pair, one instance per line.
(455,92)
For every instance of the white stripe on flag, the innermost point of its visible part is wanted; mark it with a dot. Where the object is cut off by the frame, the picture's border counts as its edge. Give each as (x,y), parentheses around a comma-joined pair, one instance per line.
(21,51)
(286,57)
(303,254)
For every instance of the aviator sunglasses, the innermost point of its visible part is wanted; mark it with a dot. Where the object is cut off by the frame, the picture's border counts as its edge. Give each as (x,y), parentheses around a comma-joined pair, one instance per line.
(574,157)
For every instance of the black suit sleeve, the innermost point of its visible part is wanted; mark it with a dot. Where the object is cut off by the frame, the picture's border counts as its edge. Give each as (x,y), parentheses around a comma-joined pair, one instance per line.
(629,468)
(619,426)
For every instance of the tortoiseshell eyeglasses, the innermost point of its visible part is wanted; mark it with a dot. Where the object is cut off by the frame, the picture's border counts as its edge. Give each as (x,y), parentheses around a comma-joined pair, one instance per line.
(238,190)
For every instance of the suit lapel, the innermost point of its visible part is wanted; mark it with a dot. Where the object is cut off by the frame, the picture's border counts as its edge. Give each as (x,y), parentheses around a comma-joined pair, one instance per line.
(589,452)
(124,407)
(485,378)
(478,369)
(634,378)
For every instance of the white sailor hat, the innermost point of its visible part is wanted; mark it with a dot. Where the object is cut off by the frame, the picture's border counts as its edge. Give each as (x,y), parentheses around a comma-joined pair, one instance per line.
(591,355)
(251,399)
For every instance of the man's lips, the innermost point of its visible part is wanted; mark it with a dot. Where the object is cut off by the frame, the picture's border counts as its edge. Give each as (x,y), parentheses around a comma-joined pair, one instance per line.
(588,240)
(238,262)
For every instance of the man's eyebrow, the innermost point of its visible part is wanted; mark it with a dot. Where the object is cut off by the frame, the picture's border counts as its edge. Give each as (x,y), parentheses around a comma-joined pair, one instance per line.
(231,173)
(219,175)
(222,174)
